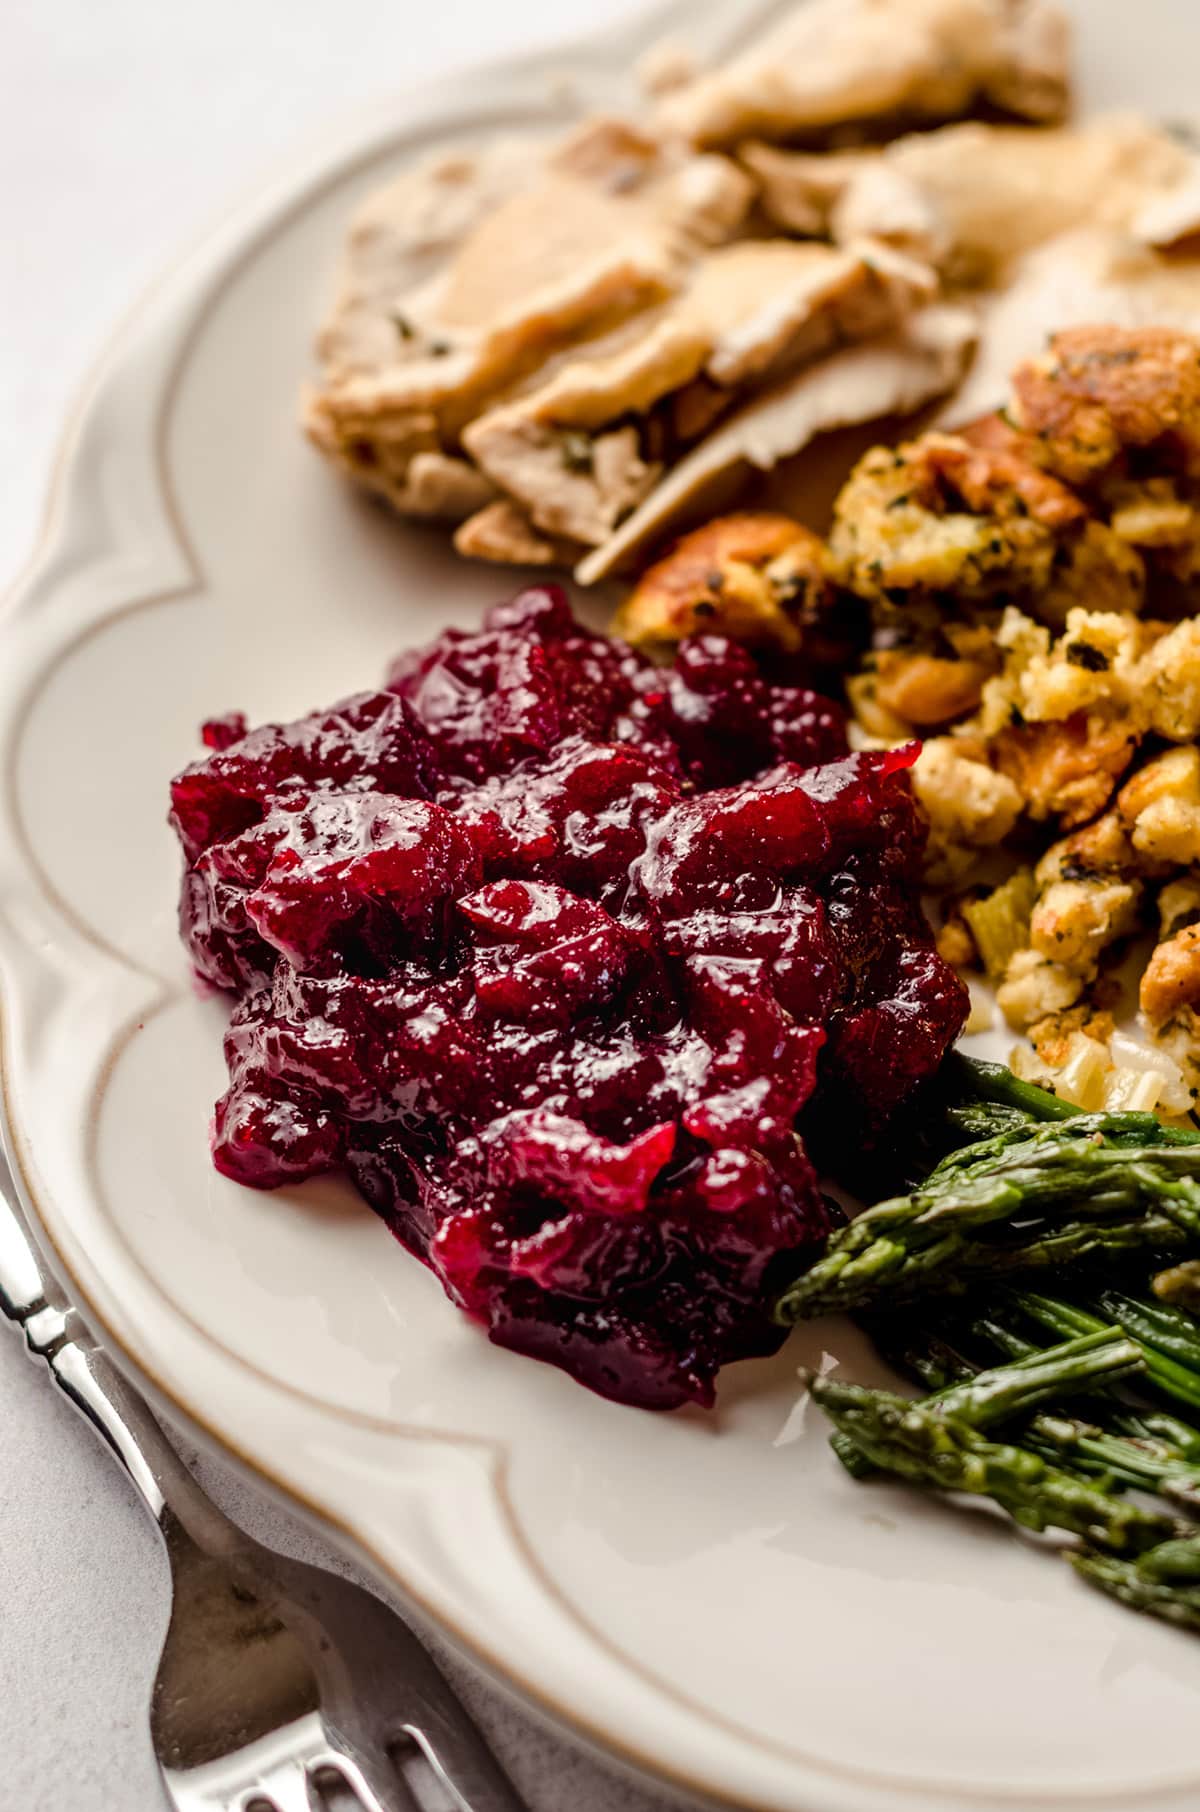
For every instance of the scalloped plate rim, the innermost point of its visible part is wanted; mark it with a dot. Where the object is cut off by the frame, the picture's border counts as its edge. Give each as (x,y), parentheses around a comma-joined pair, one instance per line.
(171,309)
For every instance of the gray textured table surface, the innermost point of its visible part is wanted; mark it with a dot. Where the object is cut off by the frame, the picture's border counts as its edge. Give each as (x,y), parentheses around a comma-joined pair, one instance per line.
(124,128)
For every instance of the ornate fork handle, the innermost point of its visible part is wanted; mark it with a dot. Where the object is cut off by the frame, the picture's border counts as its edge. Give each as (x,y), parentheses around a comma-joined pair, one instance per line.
(55,1332)
(342,1619)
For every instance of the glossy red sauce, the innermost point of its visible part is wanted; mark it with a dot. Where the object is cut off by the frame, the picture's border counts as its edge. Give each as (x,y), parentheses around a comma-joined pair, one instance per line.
(552,950)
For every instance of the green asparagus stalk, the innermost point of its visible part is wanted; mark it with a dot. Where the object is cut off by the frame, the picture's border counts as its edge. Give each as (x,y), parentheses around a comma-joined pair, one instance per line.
(1066,1320)
(1158,1325)
(997,1333)
(1179,1438)
(994,1082)
(968,1102)
(1174,1562)
(961,1387)
(1165,1581)
(1122,1454)
(918,1443)
(921,1355)
(1011,1390)
(1030,1186)
(974,1121)
(1088,1449)
(852,1458)
(1154,1430)
(1143,1449)
(1096,1184)
(1122,1458)
(924,1353)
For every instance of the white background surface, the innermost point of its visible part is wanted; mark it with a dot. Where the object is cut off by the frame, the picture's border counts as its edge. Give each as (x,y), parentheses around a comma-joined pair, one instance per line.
(124,128)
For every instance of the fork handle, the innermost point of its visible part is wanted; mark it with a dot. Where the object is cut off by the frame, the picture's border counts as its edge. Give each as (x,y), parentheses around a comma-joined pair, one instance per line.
(55,1332)
(447,1764)
(90,1380)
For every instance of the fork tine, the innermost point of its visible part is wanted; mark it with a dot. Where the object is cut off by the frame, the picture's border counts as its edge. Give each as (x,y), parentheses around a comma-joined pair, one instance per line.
(284,1782)
(284,1789)
(349,1771)
(428,1785)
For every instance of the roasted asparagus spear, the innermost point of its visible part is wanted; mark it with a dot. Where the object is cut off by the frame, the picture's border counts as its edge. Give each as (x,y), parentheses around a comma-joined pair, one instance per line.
(1016,1203)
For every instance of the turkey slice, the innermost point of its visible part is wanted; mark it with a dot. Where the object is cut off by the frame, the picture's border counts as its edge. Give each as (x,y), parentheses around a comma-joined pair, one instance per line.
(753,310)
(833,63)
(893,374)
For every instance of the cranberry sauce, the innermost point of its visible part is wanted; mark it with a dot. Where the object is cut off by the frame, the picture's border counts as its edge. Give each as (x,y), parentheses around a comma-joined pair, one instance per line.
(549,948)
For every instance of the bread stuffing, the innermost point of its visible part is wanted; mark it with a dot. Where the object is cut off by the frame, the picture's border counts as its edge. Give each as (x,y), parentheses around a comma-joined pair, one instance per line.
(1014,611)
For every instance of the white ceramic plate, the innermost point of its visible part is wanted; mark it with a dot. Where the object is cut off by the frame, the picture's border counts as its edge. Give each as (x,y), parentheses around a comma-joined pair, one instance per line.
(706,1596)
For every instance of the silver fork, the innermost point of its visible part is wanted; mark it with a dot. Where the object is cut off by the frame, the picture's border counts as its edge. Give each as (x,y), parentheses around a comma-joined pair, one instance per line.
(281,1687)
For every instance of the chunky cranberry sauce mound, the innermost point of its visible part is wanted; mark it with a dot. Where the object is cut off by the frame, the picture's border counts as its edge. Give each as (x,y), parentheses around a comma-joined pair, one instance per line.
(551,950)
